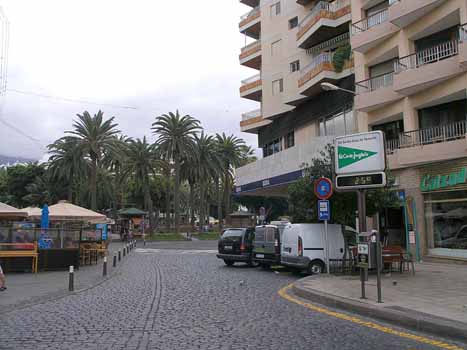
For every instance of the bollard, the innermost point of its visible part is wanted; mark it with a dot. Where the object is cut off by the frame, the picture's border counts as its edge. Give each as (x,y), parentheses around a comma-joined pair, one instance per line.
(124,251)
(119,255)
(71,282)
(144,241)
(115,260)
(104,268)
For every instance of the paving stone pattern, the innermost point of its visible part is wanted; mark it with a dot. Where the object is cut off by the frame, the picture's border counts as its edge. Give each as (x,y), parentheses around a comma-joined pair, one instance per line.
(164,299)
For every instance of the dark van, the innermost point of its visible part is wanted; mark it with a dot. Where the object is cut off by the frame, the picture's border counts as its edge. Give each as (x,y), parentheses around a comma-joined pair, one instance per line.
(236,245)
(267,245)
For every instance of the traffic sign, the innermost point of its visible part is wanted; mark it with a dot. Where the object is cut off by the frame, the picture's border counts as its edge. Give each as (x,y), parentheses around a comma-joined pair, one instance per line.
(360,153)
(324,210)
(323,188)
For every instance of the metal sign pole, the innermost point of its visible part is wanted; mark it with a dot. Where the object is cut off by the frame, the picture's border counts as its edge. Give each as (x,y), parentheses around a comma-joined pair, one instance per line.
(326,242)
(362,223)
(378,266)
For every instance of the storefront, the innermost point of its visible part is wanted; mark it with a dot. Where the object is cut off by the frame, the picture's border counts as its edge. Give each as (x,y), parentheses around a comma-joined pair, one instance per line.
(444,188)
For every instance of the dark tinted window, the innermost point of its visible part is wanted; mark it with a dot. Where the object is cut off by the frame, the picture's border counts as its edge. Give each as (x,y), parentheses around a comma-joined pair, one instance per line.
(232,233)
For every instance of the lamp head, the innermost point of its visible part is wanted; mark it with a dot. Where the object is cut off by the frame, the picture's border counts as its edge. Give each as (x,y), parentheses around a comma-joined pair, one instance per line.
(329,87)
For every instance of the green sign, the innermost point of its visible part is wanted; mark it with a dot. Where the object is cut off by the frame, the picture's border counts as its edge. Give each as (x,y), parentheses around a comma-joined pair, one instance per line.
(348,156)
(437,182)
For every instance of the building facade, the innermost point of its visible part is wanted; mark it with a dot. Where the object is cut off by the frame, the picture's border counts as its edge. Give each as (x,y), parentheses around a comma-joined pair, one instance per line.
(410,71)
(408,68)
(294,46)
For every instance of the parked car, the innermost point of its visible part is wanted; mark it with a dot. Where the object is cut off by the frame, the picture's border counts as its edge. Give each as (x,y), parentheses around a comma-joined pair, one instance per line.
(303,245)
(236,245)
(266,246)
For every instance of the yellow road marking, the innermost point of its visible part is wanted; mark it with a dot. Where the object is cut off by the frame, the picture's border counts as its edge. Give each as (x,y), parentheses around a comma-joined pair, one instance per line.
(283,293)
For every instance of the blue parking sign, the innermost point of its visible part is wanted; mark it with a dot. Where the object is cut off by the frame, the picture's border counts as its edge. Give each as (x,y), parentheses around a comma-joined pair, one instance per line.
(324,210)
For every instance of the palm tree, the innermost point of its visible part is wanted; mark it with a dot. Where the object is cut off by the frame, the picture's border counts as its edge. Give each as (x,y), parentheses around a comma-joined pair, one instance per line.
(232,152)
(114,160)
(208,166)
(94,135)
(175,140)
(66,162)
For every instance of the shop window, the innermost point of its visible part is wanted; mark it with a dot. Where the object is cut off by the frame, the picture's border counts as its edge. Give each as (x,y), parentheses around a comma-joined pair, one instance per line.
(277,87)
(293,22)
(295,66)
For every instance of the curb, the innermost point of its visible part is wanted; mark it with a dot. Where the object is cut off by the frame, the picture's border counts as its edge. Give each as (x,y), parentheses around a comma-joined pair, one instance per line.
(412,320)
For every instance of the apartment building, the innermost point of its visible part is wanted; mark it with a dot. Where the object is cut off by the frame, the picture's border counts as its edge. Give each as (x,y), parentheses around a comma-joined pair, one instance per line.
(292,47)
(410,61)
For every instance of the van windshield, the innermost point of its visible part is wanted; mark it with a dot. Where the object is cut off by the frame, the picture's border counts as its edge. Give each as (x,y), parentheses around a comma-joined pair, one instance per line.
(232,233)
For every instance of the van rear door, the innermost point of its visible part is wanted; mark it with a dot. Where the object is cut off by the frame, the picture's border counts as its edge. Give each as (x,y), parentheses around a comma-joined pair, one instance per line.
(289,244)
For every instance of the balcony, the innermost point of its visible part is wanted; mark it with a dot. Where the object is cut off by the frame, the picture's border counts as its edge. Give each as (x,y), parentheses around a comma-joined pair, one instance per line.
(251,55)
(271,175)
(250,23)
(371,31)
(402,13)
(375,93)
(325,20)
(252,121)
(251,3)
(252,88)
(319,70)
(428,67)
(435,144)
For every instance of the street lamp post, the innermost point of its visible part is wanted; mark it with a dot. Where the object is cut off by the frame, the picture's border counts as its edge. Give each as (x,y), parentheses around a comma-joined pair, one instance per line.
(332,87)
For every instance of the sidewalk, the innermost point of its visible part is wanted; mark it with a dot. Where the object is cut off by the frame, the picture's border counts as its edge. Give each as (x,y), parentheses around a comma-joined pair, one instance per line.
(434,300)
(29,288)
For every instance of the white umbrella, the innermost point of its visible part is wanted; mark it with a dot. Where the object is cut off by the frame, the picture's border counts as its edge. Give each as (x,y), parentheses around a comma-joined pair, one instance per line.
(7,211)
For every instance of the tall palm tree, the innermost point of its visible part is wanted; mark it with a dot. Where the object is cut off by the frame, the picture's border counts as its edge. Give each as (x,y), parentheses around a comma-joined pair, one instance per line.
(66,162)
(208,166)
(175,140)
(94,135)
(232,152)
(141,161)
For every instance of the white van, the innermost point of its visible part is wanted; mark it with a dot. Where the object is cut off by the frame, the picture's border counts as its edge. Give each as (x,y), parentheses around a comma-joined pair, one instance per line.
(303,245)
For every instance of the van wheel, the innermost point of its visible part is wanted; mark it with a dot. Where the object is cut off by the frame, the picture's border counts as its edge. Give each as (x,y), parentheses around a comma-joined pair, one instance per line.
(316,267)
(252,263)
(265,266)
(229,262)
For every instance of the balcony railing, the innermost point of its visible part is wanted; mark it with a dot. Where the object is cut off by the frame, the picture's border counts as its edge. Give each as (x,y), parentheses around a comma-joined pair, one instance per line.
(250,13)
(252,79)
(250,115)
(323,6)
(374,83)
(316,61)
(329,44)
(251,45)
(392,2)
(441,133)
(427,56)
(369,22)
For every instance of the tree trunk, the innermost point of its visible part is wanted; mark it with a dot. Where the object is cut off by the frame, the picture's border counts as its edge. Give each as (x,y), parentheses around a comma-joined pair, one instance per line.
(177,196)
(227,193)
(70,193)
(192,206)
(94,184)
(219,202)
(167,203)
(202,207)
(148,205)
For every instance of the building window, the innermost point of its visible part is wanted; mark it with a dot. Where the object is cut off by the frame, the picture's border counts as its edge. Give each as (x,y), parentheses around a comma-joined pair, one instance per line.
(391,130)
(289,140)
(338,124)
(277,87)
(276,48)
(293,22)
(276,9)
(272,147)
(295,66)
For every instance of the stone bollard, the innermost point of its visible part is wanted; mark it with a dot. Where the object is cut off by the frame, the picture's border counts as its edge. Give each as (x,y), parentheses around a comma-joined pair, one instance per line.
(119,255)
(115,260)
(71,282)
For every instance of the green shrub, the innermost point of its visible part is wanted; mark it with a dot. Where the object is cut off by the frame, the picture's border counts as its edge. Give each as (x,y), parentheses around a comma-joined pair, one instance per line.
(341,55)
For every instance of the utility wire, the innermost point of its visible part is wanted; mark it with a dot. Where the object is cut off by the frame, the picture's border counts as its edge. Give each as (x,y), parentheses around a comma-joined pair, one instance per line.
(69,99)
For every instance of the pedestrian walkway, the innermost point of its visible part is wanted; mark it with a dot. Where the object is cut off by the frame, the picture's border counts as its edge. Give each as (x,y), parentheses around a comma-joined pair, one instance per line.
(437,291)
(28,288)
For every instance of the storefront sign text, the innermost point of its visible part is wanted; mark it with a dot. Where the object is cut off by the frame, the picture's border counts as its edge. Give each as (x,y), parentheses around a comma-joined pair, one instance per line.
(436,182)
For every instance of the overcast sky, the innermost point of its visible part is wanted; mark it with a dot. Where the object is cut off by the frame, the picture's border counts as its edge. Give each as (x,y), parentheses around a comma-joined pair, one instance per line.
(154,55)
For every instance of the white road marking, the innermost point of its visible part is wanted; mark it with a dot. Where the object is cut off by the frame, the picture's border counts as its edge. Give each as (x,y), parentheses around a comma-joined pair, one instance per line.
(174,251)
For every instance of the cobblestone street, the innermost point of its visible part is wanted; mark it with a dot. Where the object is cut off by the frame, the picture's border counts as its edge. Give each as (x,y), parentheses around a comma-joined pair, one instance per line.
(186,299)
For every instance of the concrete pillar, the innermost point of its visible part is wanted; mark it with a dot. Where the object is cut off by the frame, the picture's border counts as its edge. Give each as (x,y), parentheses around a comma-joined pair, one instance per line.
(410,116)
